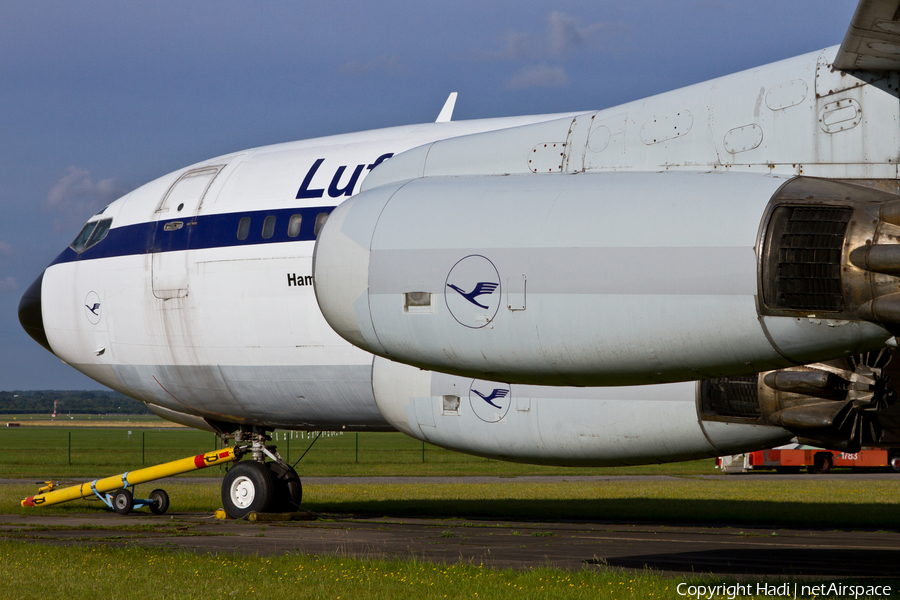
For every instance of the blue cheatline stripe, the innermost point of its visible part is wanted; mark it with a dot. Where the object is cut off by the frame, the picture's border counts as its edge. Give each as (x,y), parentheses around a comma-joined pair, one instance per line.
(201,233)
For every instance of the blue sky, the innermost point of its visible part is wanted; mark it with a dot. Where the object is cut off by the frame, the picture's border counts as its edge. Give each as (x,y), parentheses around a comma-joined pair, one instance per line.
(98,98)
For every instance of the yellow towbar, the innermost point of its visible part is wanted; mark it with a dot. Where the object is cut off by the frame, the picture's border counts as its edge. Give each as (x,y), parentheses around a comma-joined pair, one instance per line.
(132,478)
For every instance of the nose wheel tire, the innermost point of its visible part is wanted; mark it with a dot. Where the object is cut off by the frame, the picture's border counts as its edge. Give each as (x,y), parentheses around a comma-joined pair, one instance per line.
(248,487)
(123,502)
(288,490)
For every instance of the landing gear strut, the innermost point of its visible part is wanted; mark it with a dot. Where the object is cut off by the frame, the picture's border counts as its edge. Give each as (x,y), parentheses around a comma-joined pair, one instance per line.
(259,486)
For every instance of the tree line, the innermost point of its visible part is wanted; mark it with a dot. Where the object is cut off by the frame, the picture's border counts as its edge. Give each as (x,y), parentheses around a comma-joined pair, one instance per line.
(83,402)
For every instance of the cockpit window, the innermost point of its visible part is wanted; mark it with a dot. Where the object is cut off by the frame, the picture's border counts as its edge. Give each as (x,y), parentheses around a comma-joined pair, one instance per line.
(100,232)
(82,237)
(90,235)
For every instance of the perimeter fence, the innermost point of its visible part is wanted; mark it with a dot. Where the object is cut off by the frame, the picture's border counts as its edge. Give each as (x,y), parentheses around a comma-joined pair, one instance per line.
(31,450)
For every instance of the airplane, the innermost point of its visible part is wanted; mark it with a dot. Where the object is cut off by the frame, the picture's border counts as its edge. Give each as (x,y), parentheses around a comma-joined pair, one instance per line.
(704,272)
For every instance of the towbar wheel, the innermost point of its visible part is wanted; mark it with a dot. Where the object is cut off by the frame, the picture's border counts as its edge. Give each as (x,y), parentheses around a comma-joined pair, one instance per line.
(159,502)
(122,502)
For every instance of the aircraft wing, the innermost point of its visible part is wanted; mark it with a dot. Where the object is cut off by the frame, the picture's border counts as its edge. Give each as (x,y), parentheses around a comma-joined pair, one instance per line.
(873,41)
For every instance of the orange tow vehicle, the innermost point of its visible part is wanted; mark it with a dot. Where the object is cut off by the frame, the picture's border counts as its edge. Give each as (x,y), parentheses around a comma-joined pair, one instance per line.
(790,459)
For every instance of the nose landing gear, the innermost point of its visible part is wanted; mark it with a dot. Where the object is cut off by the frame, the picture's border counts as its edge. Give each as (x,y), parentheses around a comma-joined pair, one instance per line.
(259,486)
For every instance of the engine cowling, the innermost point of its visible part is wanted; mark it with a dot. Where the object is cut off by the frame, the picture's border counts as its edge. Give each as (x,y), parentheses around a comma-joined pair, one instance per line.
(601,426)
(611,278)
(842,405)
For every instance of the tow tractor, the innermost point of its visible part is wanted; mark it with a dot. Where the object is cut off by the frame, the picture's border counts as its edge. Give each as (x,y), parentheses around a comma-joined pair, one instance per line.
(254,485)
(792,458)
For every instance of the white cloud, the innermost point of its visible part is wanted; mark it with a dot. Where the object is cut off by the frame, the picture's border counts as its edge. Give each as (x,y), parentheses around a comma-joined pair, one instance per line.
(382,63)
(5,249)
(514,45)
(567,36)
(564,36)
(542,75)
(8,285)
(76,196)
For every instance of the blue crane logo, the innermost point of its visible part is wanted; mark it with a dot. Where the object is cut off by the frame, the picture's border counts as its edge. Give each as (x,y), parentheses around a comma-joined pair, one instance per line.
(92,309)
(483,287)
(496,393)
(474,309)
(493,406)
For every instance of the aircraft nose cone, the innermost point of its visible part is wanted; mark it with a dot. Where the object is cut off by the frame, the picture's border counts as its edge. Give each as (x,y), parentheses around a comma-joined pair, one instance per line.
(31,315)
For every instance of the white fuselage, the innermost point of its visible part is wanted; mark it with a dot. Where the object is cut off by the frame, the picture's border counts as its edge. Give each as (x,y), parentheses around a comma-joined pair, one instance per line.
(218,327)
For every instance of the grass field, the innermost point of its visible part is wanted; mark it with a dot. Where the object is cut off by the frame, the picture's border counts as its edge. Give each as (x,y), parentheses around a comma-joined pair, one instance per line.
(130,573)
(60,452)
(816,504)
(43,452)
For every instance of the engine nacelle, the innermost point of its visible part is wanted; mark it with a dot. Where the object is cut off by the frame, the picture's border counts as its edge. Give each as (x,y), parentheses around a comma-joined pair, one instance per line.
(610,278)
(844,404)
(608,426)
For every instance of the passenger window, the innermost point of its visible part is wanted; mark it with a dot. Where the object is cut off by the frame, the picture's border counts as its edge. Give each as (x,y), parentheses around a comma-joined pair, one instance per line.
(294,225)
(243,228)
(320,221)
(99,233)
(82,237)
(268,227)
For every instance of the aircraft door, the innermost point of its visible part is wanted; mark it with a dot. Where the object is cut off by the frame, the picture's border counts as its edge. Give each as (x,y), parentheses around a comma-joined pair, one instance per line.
(176,218)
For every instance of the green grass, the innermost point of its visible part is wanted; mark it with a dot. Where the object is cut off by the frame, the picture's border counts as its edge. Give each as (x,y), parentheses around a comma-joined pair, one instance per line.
(29,569)
(99,452)
(36,570)
(816,504)
(781,504)
(44,453)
